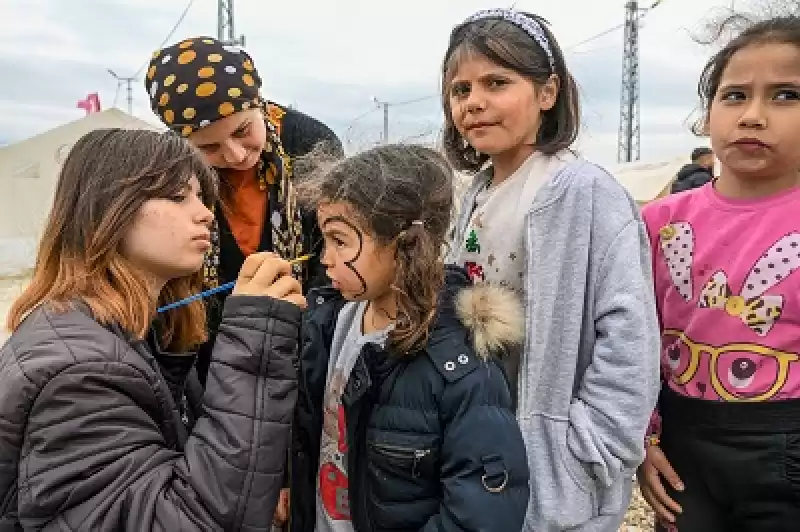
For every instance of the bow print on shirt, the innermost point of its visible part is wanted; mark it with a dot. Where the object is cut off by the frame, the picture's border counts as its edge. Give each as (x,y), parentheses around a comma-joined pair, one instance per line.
(677,245)
(756,310)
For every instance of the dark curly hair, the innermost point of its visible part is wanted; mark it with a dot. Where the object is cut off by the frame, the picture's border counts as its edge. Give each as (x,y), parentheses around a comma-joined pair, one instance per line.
(388,188)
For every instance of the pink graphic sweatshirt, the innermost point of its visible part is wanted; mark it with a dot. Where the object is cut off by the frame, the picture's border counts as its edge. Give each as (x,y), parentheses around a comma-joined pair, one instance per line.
(728,294)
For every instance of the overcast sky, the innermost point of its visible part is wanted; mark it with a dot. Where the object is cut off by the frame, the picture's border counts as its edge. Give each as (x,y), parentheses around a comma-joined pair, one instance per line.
(329,58)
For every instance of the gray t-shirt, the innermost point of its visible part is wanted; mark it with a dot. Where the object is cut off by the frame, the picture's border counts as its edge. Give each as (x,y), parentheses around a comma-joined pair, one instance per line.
(333,502)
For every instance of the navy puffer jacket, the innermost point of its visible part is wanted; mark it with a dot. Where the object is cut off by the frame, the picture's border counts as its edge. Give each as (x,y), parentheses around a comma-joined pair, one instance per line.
(433,444)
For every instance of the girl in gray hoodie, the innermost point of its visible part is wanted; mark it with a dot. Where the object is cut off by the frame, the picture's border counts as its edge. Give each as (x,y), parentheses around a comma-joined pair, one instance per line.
(569,240)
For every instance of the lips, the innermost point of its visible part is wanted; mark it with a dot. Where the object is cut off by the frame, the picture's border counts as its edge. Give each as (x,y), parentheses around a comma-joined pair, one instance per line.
(479,125)
(751,143)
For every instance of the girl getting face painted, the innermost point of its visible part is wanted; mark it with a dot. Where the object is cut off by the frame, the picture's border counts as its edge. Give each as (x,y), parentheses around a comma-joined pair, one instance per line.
(379,395)
(383,215)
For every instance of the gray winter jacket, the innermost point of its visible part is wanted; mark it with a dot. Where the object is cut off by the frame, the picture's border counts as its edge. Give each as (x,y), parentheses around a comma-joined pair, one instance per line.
(589,374)
(91,437)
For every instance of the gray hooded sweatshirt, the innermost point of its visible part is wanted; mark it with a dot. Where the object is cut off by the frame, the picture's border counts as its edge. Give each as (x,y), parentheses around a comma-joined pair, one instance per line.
(589,374)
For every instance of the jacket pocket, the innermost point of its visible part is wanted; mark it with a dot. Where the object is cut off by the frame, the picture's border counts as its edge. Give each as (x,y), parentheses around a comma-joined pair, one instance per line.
(564,493)
(561,489)
(414,461)
(403,466)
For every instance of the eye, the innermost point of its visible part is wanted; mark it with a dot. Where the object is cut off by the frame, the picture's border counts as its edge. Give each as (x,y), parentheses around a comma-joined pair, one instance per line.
(243,131)
(787,95)
(334,241)
(459,89)
(178,198)
(732,96)
(210,148)
(496,83)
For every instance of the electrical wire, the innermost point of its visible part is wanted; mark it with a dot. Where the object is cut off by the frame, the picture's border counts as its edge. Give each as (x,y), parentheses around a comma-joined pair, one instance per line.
(169,35)
(568,49)
(594,37)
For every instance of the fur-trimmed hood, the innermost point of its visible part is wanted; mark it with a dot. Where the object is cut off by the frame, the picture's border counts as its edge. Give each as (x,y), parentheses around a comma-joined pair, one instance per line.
(493,315)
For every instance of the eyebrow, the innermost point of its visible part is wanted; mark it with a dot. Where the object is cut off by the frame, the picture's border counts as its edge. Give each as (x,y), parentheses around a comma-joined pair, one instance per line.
(776,85)
(332,231)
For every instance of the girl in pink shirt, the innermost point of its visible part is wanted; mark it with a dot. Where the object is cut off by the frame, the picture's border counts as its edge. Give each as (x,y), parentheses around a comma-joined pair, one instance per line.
(725,258)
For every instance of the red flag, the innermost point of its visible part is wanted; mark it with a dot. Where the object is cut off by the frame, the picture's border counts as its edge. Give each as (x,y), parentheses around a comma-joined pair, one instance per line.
(91,104)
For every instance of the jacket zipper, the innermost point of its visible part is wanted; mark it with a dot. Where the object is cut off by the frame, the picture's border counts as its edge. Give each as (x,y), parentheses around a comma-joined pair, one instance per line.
(403,453)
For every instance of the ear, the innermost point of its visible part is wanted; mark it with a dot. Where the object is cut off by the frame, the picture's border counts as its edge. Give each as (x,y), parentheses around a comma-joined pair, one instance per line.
(706,125)
(548,92)
(702,126)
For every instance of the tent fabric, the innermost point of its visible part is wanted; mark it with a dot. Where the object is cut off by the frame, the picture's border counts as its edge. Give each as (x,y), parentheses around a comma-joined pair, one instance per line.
(647,181)
(28,174)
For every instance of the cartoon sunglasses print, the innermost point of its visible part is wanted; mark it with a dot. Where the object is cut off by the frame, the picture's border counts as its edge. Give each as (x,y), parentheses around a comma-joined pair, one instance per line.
(738,372)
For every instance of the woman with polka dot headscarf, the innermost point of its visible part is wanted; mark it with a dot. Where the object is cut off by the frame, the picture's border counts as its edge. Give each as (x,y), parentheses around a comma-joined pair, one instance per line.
(210,94)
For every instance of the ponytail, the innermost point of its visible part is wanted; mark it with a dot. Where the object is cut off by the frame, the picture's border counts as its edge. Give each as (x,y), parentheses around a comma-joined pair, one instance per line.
(419,278)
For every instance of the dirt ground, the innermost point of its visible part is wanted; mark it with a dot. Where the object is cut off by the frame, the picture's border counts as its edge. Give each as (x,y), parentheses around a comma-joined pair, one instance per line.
(639,517)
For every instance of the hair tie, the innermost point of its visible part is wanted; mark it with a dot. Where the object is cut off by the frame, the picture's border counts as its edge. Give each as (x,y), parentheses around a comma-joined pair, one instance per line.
(527,24)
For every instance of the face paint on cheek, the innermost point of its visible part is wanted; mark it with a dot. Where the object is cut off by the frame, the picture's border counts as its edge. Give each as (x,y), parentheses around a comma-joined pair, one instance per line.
(349,263)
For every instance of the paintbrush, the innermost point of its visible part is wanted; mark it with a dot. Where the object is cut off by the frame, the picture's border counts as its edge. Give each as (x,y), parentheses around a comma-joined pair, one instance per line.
(221,288)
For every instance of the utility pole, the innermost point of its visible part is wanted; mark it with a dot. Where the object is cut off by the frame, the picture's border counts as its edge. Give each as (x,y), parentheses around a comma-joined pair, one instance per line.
(385,123)
(385,106)
(129,82)
(629,138)
(629,132)
(226,31)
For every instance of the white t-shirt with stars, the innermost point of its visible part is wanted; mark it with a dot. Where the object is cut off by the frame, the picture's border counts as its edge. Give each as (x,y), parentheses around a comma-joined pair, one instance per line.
(493,248)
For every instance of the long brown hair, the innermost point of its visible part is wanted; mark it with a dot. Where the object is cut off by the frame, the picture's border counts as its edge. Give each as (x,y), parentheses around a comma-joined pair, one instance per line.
(106,178)
(398,193)
(507,45)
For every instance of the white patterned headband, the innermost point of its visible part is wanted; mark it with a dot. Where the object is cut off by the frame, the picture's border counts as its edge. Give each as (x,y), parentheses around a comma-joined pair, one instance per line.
(527,24)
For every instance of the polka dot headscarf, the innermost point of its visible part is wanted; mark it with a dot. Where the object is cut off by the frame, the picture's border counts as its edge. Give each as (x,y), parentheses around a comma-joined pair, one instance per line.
(198,81)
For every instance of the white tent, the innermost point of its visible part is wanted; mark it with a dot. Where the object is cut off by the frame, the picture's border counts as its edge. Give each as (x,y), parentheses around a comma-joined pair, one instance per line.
(28,174)
(647,181)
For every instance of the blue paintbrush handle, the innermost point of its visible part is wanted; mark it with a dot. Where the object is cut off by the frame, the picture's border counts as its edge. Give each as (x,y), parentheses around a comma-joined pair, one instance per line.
(210,292)
(221,288)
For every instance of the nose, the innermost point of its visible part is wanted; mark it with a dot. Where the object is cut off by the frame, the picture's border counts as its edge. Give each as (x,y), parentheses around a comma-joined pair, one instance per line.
(476,102)
(204,215)
(234,153)
(753,116)
(325,259)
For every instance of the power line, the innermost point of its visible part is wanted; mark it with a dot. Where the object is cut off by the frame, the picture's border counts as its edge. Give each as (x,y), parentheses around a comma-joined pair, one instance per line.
(129,80)
(385,105)
(594,37)
(612,29)
(169,35)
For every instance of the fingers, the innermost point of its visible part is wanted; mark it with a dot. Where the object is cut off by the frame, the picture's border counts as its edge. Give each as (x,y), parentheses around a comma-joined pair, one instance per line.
(660,493)
(662,513)
(653,490)
(665,468)
(297,299)
(285,286)
(252,263)
(270,269)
